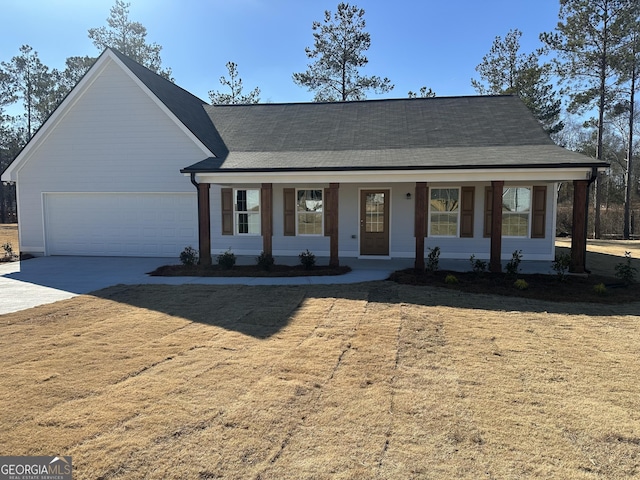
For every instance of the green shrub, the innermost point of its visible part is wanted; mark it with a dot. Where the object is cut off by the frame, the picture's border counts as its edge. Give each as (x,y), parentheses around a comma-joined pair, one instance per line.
(265,261)
(433,259)
(227,260)
(451,279)
(189,256)
(600,289)
(477,265)
(513,265)
(521,284)
(625,271)
(307,259)
(561,265)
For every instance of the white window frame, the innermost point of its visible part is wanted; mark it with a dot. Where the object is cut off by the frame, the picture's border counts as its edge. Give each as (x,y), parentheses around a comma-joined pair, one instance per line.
(506,213)
(249,213)
(321,213)
(431,234)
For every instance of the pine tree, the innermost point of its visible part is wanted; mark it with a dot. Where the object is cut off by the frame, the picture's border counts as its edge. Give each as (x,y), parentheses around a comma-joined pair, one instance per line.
(129,38)
(234,82)
(505,70)
(587,40)
(340,42)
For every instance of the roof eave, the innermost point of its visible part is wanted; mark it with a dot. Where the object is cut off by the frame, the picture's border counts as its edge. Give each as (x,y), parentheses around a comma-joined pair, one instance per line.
(224,171)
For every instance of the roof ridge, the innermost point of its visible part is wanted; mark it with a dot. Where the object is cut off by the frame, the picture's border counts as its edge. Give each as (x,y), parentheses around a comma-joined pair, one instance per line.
(370,100)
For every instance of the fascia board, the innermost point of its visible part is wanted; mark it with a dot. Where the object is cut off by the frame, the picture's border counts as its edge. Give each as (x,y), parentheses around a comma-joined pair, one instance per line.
(400,176)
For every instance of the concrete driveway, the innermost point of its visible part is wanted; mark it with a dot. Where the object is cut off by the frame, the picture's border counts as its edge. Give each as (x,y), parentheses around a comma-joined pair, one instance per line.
(45,280)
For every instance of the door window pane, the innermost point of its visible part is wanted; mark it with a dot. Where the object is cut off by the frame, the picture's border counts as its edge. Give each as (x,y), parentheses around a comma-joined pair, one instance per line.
(374,213)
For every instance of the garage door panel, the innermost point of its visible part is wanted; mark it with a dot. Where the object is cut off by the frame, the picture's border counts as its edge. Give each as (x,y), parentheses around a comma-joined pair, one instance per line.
(120,224)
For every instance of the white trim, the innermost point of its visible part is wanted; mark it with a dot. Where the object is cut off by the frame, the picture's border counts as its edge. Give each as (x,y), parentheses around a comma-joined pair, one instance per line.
(453,176)
(554,214)
(27,249)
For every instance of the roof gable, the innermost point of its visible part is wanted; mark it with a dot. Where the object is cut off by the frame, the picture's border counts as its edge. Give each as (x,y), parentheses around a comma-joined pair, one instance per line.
(187,108)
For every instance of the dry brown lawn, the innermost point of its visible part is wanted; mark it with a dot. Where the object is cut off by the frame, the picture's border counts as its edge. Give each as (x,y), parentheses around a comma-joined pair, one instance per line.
(374,380)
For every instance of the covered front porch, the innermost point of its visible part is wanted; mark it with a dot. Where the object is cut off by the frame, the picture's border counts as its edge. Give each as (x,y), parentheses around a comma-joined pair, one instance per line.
(395,227)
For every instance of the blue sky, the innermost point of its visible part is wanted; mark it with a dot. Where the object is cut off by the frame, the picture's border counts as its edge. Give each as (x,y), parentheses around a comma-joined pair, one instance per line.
(436,43)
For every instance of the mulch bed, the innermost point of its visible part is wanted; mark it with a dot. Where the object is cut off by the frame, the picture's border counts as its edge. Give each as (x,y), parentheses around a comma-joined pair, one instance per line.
(246,271)
(542,287)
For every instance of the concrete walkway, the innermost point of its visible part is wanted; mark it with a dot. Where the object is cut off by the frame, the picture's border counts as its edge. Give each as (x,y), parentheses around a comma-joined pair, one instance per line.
(45,280)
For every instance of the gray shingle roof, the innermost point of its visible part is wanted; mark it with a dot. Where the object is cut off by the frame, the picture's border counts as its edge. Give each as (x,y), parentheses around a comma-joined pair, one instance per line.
(401,134)
(378,124)
(396,134)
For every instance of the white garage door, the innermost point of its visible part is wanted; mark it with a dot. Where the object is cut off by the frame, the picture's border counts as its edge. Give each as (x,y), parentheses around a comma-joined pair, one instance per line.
(120,224)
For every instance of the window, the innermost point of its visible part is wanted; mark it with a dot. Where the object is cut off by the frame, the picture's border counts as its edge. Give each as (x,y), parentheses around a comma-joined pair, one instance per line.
(444,209)
(246,212)
(516,207)
(309,212)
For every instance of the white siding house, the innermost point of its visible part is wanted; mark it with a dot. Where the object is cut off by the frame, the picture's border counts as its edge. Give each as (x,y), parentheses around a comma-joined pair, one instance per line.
(132,165)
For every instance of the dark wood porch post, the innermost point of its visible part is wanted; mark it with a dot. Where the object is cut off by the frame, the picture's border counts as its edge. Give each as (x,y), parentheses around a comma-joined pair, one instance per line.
(579,227)
(420,226)
(334,261)
(495,264)
(204,224)
(266,217)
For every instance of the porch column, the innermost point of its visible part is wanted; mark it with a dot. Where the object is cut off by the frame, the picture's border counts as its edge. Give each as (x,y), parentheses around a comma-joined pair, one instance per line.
(420,226)
(204,224)
(266,217)
(495,264)
(334,261)
(579,227)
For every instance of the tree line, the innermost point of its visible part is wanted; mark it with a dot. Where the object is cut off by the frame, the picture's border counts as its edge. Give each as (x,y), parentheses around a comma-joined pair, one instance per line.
(580,83)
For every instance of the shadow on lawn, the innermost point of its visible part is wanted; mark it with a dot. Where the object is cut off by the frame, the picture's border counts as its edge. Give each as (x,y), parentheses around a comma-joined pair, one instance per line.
(263,311)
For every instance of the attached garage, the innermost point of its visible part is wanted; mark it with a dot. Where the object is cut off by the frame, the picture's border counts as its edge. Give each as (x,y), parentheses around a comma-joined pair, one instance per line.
(120,224)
